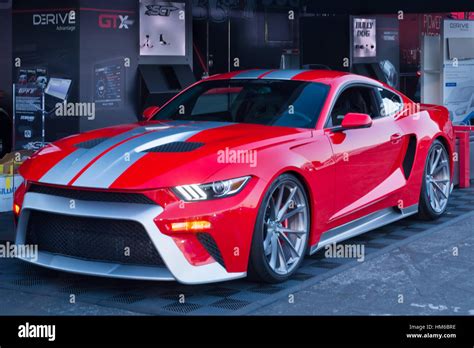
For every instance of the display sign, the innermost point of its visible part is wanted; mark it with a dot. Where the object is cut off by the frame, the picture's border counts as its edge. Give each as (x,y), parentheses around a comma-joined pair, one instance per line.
(458,70)
(364,37)
(45,36)
(109,81)
(162,28)
(28,108)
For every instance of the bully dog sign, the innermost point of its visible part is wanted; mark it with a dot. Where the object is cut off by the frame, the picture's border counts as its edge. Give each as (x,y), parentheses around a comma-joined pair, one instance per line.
(364,36)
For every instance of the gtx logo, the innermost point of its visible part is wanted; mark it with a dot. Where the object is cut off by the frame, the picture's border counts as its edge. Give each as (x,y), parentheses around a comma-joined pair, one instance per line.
(159,10)
(112,21)
(68,18)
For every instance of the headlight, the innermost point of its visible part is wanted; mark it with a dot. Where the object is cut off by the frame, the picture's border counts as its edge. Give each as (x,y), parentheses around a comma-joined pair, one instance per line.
(217,189)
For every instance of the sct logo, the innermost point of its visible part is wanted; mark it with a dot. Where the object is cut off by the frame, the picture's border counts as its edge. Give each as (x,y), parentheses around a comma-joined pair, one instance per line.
(112,21)
(159,10)
(68,18)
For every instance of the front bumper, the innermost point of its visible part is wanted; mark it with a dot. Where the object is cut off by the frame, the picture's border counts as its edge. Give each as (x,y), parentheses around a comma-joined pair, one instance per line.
(176,266)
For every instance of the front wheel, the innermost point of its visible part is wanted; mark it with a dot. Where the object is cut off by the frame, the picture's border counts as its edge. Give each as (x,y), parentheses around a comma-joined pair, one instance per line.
(436,186)
(281,232)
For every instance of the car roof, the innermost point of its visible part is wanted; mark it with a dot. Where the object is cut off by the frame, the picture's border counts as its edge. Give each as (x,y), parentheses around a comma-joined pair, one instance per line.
(329,77)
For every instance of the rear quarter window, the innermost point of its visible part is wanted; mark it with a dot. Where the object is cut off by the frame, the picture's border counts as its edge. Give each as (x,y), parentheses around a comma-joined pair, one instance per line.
(391,102)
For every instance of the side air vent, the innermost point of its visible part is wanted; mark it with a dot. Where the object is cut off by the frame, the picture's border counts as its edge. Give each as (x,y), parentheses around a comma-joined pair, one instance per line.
(210,245)
(409,157)
(89,144)
(177,146)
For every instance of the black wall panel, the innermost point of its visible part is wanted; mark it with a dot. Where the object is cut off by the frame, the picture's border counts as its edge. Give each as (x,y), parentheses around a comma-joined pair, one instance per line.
(109,61)
(325,40)
(6,58)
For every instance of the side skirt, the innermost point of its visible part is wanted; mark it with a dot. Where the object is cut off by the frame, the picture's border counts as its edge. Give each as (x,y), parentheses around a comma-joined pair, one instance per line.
(362,225)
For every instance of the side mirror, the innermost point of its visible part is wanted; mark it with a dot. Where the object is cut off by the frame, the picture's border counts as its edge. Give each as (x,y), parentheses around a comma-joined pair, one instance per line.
(354,120)
(149,112)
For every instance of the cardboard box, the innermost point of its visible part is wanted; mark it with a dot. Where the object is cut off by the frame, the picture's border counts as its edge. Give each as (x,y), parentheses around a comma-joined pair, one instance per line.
(10,163)
(8,185)
(7,164)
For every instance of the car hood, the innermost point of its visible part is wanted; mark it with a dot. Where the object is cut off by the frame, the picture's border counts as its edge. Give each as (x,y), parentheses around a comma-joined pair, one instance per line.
(152,154)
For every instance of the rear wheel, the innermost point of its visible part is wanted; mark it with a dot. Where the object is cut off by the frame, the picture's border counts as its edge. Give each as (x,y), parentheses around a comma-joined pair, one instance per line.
(281,232)
(436,185)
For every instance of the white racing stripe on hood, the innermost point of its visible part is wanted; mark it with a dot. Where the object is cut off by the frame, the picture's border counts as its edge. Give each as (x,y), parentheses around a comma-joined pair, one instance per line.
(114,163)
(66,169)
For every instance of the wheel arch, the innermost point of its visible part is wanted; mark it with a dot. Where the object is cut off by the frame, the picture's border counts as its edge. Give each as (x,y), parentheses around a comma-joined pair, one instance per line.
(312,212)
(449,147)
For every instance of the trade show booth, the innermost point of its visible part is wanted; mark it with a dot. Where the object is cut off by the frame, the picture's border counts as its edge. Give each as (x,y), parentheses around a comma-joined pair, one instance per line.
(106,62)
(237,157)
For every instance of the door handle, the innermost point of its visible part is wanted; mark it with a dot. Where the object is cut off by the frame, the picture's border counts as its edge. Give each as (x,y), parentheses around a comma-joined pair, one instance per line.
(395,138)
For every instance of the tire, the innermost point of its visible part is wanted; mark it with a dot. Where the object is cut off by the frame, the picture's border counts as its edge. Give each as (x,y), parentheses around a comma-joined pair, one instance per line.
(434,200)
(268,236)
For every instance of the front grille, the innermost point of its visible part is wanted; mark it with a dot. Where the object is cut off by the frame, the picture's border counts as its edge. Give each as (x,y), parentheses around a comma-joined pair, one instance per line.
(96,239)
(89,195)
(210,245)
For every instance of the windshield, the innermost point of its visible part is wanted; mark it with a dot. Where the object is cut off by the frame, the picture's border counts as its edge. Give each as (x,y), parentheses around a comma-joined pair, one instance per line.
(266,102)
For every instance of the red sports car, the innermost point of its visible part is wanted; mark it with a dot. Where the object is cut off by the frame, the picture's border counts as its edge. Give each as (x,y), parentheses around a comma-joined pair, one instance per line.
(240,174)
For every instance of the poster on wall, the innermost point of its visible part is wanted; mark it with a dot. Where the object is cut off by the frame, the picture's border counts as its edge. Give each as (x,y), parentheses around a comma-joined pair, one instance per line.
(458,70)
(364,37)
(162,28)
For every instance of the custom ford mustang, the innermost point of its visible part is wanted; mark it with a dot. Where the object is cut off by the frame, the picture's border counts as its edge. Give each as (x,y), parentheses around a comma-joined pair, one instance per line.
(243,173)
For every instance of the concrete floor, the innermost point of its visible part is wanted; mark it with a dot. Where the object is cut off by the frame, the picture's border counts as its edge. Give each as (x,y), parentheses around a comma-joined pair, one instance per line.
(422,276)
(411,268)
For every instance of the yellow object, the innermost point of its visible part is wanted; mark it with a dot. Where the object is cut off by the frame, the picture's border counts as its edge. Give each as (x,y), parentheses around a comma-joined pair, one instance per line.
(16,209)
(190,226)
(7,168)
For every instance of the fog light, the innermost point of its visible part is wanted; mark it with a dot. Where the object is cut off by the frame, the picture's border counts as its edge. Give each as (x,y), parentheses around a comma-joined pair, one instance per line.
(197,225)
(16,209)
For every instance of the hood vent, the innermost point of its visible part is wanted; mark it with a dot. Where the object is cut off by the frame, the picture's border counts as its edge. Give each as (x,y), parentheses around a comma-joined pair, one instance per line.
(89,144)
(176,146)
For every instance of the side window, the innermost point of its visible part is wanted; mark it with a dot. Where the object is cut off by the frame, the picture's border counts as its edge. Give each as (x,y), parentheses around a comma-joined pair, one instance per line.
(354,99)
(391,102)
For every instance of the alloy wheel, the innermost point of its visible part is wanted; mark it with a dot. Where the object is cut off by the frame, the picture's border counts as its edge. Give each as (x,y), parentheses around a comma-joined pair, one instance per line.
(286,227)
(437,178)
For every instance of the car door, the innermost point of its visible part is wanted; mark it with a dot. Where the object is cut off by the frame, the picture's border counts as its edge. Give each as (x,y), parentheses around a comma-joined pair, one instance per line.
(367,160)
